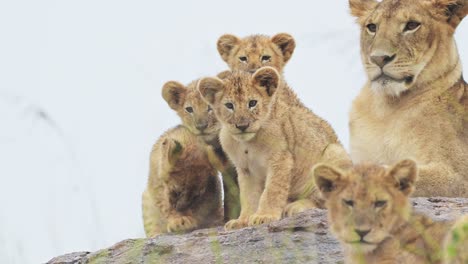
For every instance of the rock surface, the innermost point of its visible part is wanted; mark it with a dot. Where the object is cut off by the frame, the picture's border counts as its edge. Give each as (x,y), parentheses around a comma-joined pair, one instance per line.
(301,239)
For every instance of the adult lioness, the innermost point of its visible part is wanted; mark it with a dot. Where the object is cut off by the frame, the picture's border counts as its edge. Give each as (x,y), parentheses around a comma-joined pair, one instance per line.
(370,213)
(415,103)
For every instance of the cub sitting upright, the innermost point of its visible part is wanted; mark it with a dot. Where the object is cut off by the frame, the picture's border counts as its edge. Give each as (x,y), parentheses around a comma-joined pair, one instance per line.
(370,213)
(273,144)
(183,191)
(256,51)
(197,116)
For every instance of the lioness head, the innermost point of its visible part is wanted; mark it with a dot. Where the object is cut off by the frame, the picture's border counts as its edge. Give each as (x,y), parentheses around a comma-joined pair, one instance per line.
(194,112)
(186,172)
(253,52)
(241,100)
(408,43)
(367,202)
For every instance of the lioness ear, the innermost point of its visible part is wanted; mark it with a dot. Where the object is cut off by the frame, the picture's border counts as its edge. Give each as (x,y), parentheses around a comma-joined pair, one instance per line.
(211,89)
(174,150)
(174,94)
(362,8)
(225,45)
(286,44)
(267,78)
(404,175)
(326,179)
(453,10)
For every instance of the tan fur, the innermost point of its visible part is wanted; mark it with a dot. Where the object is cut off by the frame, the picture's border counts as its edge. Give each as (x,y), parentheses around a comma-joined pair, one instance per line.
(419,107)
(202,122)
(275,153)
(258,50)
(183,191)
(374,201)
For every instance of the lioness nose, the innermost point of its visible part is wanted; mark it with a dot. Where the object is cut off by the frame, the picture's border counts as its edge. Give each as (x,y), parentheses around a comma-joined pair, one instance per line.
(201,127)
(362,233)
(381,61)
(242,127)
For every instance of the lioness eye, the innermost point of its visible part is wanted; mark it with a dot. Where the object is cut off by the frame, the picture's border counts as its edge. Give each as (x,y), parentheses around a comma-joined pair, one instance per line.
(252,103)
(372,28)
(243,59)
(229,106)
(379,204)
(412,25)
(209,109)
(266,58)
(189,109)
(349,203)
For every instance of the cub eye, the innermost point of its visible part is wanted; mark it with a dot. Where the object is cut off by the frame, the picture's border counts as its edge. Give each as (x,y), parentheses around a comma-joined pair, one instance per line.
(412,25)
(229,106)
(189,109)
(210,109)
(349,203)
(372,28)
(266,58)
(380,204)
(252,103)
(243,58)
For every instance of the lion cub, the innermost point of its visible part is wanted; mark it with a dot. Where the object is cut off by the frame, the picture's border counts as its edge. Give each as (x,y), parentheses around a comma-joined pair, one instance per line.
(196,115)
(273,144)
(370,213)
(256,51)
(183,190)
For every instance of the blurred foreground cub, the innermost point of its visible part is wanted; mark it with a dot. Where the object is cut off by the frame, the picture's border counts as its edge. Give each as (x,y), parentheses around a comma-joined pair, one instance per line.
(370,213)
(183,191)
(273,142)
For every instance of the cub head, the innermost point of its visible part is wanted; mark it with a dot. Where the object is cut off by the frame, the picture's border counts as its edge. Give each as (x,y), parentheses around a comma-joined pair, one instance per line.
(186,172)
(195,113)
(241,101)
(408,43)
(366,203)
(253,52)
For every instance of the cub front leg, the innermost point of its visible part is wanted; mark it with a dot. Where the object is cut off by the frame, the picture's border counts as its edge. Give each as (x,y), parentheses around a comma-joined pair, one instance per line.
(250,190)
(275,195)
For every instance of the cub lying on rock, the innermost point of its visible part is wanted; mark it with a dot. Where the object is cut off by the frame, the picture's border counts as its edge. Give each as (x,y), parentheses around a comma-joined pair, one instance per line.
(272,142)
(183,191)
(370,213)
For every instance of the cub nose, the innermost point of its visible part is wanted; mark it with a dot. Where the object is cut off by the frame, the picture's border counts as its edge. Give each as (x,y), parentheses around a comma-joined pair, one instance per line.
(201,127)
(381,61)
(242,127)
(362,233)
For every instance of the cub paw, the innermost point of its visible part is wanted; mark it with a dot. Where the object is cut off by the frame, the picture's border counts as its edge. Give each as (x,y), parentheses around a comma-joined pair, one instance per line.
(297,207)
(181,224)
(235,224)
(259,219)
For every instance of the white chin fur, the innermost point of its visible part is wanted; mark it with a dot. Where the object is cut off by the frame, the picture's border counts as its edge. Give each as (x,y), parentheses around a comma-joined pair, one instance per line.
(361,248)
(389,88)
(244,137)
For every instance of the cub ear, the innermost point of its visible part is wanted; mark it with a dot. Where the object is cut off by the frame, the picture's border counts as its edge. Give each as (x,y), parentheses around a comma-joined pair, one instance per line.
(211,89)
(404,175)
(225,45)
(174,94)
(326,179)
(224,74)
(362,8)
(286,44)
(267,78)
(173,150)
(452,10)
